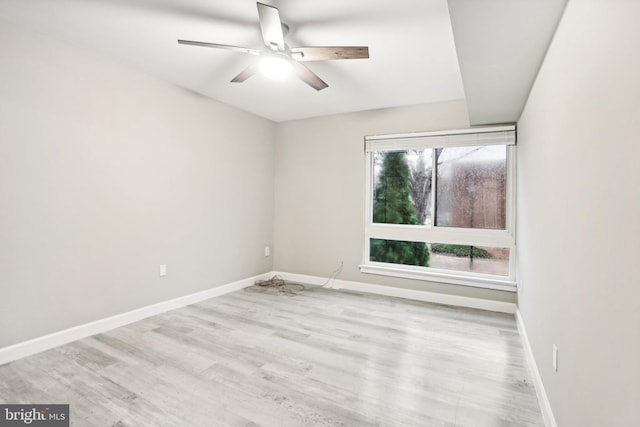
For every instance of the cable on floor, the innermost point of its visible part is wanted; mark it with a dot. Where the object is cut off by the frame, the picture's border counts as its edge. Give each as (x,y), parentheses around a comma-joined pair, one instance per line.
(278,284)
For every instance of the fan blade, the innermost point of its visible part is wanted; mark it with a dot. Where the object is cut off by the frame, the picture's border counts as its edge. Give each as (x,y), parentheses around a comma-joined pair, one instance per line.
(308,76)
(329,52)
(221,46)
(271,26)
(245,74)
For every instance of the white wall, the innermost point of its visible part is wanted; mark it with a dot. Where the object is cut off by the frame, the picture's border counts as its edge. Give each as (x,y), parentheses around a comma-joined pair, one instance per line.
(105,173)
(579,215)
(319,179)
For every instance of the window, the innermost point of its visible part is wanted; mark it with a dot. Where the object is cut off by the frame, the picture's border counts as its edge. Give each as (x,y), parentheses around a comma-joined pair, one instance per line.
(439,206)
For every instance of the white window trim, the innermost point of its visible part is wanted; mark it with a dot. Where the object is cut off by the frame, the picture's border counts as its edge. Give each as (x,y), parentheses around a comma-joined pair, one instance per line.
(475,280)
(477,237)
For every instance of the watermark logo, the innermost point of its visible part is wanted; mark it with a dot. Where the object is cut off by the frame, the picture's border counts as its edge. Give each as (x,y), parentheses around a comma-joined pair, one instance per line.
(34,415)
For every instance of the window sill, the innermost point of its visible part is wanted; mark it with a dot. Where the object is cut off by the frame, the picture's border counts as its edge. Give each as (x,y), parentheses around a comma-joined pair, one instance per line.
(439,276)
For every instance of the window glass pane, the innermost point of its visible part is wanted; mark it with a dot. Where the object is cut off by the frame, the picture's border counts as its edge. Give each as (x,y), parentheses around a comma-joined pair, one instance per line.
(471,187)
(477,259)
(402,187)
(399,252)
(474,259)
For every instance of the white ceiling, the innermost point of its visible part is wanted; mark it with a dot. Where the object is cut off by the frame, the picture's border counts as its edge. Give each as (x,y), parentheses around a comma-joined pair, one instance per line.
(413,58)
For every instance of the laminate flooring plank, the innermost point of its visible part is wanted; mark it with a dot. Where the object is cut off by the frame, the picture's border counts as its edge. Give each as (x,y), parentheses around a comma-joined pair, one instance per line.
(319,357)
(385,410)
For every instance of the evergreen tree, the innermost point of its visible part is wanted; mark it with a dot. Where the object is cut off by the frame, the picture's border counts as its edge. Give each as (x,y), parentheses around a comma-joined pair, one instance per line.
(392,205)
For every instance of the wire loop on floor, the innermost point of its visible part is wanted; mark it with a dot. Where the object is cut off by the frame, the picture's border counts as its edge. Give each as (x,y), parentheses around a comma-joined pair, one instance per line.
(277,283)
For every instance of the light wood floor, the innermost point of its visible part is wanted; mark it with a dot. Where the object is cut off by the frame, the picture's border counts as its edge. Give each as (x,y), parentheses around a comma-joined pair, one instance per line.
(319,358)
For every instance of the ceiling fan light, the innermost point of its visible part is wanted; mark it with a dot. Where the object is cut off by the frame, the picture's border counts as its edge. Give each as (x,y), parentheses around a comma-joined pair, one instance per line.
(274,67)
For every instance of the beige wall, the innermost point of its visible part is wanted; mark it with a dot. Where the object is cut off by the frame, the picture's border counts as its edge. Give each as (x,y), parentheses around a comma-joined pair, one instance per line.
(319,179)
(105,173)
(579,215)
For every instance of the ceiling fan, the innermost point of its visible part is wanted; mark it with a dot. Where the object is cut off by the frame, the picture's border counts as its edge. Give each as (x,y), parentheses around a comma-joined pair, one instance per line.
(277,59)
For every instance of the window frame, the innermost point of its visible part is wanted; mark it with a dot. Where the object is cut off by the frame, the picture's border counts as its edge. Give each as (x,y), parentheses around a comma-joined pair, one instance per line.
(486,135)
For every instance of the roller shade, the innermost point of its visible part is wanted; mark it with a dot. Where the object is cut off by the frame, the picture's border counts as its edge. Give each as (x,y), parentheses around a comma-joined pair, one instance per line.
(494,135)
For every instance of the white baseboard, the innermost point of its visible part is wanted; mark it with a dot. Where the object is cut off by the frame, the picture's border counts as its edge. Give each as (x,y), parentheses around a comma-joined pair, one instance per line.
(37,345)
(460,301)
(543,400)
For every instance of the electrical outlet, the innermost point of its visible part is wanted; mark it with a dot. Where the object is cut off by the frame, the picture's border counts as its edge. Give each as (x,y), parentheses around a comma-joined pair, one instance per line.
(555,358)
(267,251)
(163,269)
